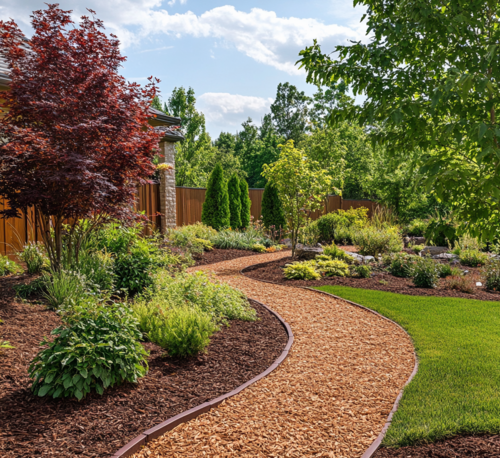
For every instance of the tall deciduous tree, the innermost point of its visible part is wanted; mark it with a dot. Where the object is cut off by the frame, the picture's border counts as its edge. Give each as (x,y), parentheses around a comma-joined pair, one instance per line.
(234,192)
(289,111)
(215,211)
(78,142)
(301,185)
(431,76)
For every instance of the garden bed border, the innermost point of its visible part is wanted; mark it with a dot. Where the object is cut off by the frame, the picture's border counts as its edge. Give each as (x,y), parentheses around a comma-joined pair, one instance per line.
(142,439)
(378,441)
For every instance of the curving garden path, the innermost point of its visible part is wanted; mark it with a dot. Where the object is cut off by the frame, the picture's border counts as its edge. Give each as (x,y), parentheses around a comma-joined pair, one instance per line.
(329,398)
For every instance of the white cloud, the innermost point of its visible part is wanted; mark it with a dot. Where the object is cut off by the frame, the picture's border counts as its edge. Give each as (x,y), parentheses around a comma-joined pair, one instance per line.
(261,35)
(173,2)
(155,49)
(232,109)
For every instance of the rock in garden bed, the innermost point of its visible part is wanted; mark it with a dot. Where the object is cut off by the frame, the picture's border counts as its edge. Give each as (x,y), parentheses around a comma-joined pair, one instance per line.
(99,425)
(382,281)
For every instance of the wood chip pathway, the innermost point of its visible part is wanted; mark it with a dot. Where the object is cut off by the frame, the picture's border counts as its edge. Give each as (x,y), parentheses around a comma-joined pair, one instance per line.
(329,398)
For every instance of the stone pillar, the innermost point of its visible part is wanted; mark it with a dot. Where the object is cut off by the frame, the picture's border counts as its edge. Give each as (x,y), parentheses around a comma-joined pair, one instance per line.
(168,206)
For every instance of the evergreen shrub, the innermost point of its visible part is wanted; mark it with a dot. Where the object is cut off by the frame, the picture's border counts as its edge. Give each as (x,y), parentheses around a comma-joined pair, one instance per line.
(215,212)
(272,211)
(234,192)
(246,203)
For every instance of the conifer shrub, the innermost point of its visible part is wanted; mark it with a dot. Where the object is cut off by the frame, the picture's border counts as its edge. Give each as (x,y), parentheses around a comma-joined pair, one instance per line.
(234,192)
(272,211)
(245,204)
(215,212)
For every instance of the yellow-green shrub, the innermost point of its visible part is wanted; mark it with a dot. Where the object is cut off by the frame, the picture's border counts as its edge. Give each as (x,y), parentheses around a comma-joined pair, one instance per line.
(333,268)
(301,271)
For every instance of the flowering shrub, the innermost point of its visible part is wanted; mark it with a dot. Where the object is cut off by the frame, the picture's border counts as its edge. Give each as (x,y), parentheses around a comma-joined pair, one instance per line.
(402,265)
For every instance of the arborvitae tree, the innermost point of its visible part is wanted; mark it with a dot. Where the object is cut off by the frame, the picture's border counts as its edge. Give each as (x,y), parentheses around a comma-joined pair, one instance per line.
(233,189)
(245,204)
(215,211)
(272,210)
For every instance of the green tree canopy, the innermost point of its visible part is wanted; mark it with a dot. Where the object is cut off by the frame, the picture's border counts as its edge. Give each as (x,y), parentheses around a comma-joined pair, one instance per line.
(289,112)
(431,76)
(301,185)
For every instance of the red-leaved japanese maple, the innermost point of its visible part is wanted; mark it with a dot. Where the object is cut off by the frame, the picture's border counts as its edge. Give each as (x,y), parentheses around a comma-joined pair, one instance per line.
(76,138)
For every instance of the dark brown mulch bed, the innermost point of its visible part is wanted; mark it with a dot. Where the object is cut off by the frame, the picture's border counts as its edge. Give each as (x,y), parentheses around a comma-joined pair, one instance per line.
(457,447)
(99,426)
(218,255)
(273,271)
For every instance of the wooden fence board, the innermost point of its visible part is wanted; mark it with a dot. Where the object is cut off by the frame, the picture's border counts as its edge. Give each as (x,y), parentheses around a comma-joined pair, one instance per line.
(15,232)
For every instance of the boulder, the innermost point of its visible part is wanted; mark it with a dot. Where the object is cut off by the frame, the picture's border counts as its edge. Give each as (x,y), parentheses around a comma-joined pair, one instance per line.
(448,256)
(434,250)
(306,253)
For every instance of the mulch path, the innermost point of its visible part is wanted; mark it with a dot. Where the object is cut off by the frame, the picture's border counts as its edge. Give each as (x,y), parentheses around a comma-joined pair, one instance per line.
(273,271)
(99,425)
(457,447)
(219,255)
(330,397)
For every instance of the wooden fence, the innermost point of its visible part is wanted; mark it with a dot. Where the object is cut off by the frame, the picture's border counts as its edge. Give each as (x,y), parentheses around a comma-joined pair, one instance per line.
(15,232)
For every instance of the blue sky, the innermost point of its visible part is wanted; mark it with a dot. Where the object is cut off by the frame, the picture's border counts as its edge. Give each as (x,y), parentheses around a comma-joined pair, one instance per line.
(233,53)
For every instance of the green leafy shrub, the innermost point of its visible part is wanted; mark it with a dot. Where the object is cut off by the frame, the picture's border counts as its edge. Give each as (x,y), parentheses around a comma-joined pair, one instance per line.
(426,273)
(193,231)
(206,244)
(272,210)
(473,258)
(371,241)
(402,265)
(99,349)
(336,225)
(440,232)
(344,235)
(215,212)
(301,271)
(333,268)
(33,254)
(258,248)
(8,267)
(246,204)
(417,228)
(362,271)
(491,273)
(309,234)
(98,269)
(234,193)
(182,331)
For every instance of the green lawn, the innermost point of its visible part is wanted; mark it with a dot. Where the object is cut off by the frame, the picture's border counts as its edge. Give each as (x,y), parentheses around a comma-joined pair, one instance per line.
(457,387)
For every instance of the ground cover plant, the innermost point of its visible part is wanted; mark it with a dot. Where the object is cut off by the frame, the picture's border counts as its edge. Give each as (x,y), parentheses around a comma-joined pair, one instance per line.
(456,390)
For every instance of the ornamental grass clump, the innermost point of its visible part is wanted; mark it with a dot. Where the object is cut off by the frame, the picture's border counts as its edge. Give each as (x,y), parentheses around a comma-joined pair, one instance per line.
(34,256)
(182,331)
(301,271)
(99,348)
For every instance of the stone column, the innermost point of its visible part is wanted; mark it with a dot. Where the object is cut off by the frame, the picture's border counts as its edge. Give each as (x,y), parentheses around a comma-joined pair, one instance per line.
(168,208)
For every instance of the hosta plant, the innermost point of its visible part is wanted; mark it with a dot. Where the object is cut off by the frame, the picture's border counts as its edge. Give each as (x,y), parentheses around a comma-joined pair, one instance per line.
(333,268)
(301,271)
(96,349)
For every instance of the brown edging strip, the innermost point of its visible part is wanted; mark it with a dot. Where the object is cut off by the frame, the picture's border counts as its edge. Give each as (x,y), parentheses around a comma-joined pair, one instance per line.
(376,444)
(135,444)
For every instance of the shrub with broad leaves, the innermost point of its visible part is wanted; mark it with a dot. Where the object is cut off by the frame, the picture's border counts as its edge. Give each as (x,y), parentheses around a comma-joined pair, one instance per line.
(426,273)
(97,348)
(301,271)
